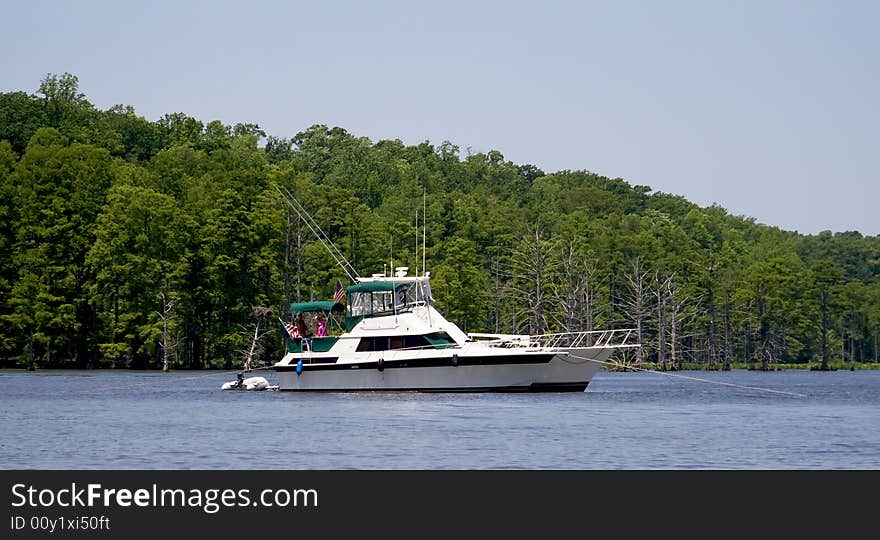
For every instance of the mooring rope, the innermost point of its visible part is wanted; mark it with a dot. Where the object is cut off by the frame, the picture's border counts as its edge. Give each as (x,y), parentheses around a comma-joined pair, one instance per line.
(154,381)
(687,377)
(583,358)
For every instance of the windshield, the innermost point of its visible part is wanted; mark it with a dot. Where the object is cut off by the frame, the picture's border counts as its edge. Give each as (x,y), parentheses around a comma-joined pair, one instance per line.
(404,297)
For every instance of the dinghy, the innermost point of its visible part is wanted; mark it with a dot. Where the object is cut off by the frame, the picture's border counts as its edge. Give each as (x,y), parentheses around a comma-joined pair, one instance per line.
(251,383)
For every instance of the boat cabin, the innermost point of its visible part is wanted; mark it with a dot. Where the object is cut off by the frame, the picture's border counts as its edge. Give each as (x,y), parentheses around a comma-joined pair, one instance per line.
(376,296)
(380,296)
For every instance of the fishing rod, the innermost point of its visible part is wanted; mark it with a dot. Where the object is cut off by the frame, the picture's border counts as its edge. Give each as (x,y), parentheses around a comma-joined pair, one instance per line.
(319,233)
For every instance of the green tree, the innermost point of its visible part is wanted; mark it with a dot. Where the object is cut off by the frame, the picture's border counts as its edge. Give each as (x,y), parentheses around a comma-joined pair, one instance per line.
(765,296)
(873,309)
(8,219)
(67,109)
(826,279)
(139,260)
(855,311)
(21,115)
(61,190)
(459,286)
(136,138)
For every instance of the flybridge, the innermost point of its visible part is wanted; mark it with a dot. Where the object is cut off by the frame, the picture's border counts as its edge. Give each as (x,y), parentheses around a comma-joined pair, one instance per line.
(382,295)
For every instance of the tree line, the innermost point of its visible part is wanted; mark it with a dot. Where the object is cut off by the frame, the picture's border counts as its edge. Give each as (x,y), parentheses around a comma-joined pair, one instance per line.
(135,243)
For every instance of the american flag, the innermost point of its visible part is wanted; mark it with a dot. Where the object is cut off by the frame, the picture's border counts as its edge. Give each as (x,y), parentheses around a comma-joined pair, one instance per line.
(338,292)
(291,329)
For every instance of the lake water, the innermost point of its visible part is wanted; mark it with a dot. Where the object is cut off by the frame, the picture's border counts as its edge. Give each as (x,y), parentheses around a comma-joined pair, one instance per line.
(181,420)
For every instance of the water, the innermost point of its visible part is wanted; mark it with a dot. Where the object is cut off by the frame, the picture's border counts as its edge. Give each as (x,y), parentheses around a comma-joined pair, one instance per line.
(131,420)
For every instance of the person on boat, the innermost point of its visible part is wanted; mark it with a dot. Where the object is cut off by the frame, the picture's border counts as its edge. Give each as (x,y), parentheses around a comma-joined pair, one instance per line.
(301,326)
(321,323)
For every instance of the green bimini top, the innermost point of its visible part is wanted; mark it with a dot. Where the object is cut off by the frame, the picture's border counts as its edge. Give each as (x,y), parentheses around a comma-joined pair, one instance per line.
(320,306)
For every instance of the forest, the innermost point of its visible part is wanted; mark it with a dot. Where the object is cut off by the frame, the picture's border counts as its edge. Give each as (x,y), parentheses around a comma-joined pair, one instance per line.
(129,243)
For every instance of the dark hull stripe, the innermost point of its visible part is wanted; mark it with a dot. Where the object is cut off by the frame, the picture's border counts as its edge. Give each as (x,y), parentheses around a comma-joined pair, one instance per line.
(312,367)
(444,361)
(534,387)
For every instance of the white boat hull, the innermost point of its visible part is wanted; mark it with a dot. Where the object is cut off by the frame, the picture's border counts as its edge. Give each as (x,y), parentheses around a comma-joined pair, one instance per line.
(566,371)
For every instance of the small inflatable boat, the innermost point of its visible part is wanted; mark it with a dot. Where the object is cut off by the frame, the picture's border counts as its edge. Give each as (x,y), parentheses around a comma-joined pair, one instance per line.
(251,383)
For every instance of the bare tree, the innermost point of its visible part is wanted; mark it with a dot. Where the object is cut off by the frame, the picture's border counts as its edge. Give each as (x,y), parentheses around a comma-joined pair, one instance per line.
(169,341)
(682,311)
(635,301)
(253,336)
(529,271)
(660,287)
(575,289)
(726,306)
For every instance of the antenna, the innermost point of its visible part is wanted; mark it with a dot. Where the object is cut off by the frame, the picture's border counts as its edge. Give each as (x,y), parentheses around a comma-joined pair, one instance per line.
(319,233)
(391,254)
(424,229)
(416,252)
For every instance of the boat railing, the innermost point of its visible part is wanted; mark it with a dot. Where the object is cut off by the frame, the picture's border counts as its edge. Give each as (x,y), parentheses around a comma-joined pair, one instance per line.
(617,338)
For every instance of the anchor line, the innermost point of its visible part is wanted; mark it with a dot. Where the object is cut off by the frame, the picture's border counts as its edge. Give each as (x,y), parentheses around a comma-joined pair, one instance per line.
(686,377)
(151,383)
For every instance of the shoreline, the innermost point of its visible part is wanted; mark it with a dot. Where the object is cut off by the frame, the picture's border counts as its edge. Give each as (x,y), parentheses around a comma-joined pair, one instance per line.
(862,366)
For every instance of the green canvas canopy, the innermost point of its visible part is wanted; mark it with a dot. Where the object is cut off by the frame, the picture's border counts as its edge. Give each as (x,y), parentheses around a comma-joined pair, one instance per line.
(321,306)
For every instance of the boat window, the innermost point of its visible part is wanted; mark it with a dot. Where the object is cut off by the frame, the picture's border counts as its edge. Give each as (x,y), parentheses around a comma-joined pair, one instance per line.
(409,295)
(366,303)
(415,342)
(359,304)
(437,340)
(440,340)
(383,301)
(414,293)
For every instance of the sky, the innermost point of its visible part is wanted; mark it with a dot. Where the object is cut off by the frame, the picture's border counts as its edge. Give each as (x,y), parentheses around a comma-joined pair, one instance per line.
(767,108)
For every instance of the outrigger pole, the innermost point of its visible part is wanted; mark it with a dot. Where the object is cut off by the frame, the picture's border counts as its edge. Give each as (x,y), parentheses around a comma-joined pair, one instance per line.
(319,233)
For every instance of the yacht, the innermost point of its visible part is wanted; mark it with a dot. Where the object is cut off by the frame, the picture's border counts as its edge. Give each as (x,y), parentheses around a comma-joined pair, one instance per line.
(393,339)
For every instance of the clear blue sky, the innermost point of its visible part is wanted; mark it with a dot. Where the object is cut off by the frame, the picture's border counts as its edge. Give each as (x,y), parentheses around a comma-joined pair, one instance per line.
(769,108)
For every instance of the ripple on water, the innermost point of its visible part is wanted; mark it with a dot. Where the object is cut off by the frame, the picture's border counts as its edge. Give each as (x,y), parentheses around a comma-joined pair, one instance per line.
(119,419)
